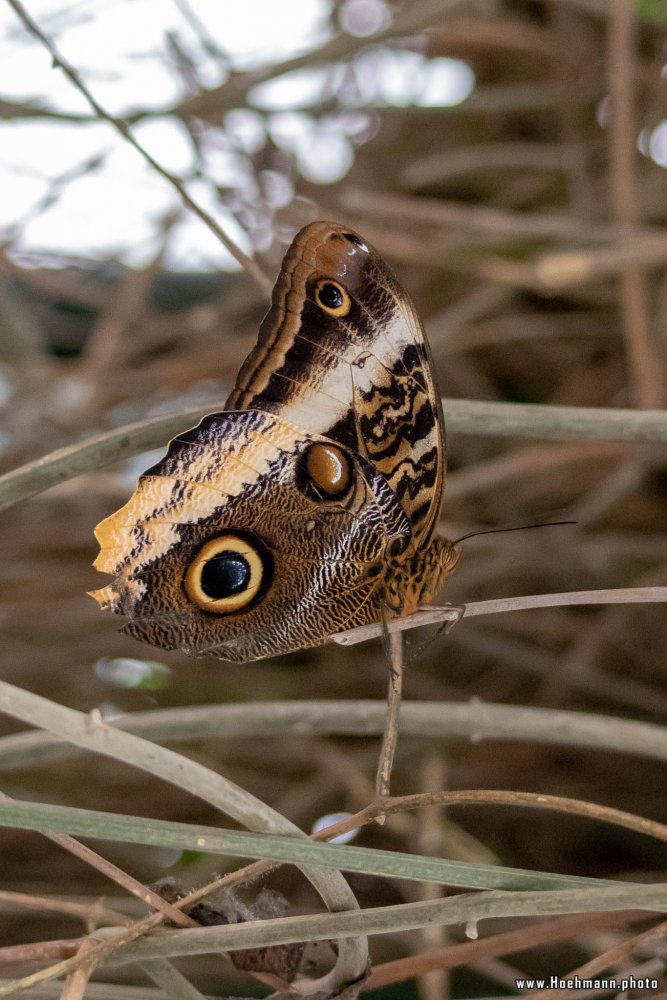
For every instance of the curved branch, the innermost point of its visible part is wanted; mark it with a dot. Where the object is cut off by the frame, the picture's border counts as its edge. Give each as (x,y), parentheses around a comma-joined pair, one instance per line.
(463,416)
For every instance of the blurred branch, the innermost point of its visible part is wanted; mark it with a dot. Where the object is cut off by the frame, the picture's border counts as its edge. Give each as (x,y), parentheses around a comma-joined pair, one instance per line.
(435,211)
(93,914)
(464,416)
(476,721)
(123,129)
(549,272)
(603,10)
(447,163)
(513,34)
(559,269)
(509,942)
(10,110)
(412,18)
(553,271)
(646,372)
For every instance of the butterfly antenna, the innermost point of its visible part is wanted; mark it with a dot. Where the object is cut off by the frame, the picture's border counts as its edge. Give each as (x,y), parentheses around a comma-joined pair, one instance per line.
(518,527)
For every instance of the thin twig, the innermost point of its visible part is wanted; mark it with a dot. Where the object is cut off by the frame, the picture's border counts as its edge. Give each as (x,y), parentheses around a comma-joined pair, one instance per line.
(77,980)
(394,695)
(527,800)
(38,952)
(123,129)
(91,914)
(516,225)
(435,615)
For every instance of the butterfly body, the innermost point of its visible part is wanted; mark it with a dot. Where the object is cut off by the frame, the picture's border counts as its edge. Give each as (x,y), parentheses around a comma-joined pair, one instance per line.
(308,506)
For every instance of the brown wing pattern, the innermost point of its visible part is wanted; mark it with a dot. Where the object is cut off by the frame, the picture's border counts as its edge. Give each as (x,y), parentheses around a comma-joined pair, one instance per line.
(363,377)
(308,506)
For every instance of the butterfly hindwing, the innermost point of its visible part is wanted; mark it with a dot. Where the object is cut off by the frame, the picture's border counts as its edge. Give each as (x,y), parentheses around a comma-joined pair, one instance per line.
(211,489)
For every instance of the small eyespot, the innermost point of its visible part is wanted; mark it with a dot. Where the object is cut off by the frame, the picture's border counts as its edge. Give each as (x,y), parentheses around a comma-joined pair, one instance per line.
(226,574)
(353,238)
(325,471)
(333,298)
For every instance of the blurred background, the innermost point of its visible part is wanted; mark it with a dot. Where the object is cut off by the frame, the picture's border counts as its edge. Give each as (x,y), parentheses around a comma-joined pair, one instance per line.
(509,158)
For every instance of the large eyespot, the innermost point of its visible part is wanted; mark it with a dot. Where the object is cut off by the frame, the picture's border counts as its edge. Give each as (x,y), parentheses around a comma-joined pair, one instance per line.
(325,471)
(227,573)
(333,298)
(353,238)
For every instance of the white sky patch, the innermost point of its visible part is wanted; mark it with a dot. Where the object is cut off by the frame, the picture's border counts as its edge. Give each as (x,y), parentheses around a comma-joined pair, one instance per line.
(22,192)
(325,156)
(125,53)
(48,148)
(256,32)
(384,77)
(364,18)
(246,128)
(100,213)
(192,245)
(446,82)
(168,142)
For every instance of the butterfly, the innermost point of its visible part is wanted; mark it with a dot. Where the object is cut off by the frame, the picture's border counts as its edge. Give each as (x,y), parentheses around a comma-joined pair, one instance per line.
(308,506)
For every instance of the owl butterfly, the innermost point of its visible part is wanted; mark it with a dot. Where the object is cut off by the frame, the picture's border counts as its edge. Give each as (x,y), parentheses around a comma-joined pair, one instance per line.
(308,506)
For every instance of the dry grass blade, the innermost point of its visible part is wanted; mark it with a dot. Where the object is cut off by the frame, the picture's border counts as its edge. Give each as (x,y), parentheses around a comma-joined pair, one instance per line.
(198,780)
(117,875)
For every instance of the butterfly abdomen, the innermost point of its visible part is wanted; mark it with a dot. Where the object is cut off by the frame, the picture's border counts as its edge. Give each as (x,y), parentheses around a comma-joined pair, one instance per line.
(414,578)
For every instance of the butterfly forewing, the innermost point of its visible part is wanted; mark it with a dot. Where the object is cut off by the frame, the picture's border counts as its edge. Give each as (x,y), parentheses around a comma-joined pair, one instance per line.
(361,375)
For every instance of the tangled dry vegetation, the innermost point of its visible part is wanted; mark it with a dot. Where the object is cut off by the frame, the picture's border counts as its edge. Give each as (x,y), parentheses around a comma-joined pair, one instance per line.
(530,229)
